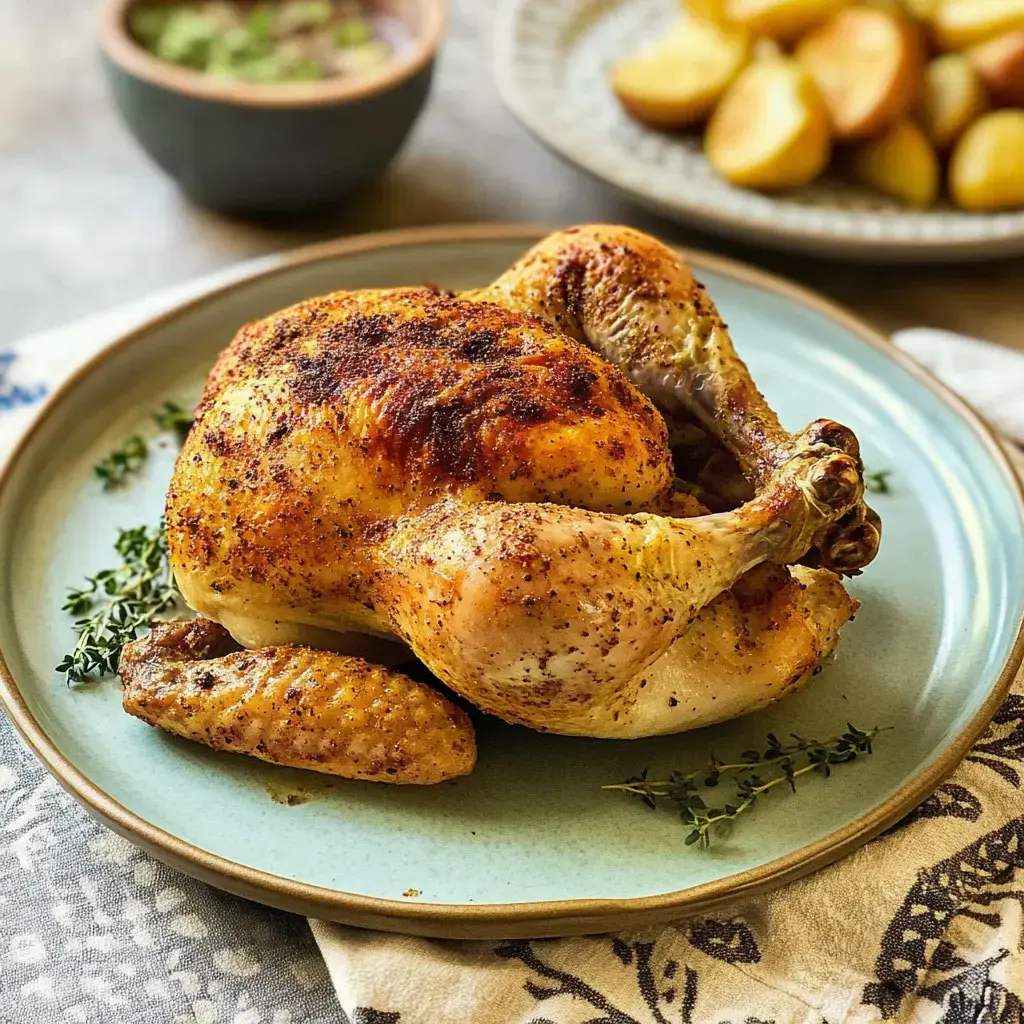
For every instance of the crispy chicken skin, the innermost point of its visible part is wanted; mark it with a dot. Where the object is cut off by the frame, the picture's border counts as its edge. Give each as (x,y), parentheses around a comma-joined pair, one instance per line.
(639,306)
(333,417)
(553,617)
(480,477)
(295,706)
(754,644)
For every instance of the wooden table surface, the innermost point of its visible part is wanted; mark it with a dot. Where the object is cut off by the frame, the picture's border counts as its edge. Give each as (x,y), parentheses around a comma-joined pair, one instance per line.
(87,222)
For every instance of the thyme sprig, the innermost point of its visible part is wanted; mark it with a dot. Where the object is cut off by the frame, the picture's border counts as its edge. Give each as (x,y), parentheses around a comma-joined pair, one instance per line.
(122,462)
(170,417)
(878,483)
(126,460)
(786,761)
(116,604)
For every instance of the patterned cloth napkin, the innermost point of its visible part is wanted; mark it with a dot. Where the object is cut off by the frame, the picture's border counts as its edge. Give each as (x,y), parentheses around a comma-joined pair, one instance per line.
(924,924)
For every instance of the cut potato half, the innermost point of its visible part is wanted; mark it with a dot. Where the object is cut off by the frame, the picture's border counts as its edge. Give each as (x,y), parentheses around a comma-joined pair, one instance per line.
(901,163)
(678,81)
(782,20)
(770,130)
(868,65)
(1000,63)
(987,168)
(957,24)
(953,96)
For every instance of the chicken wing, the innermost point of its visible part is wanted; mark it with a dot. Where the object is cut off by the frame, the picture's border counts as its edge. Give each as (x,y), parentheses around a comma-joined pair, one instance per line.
(295,706)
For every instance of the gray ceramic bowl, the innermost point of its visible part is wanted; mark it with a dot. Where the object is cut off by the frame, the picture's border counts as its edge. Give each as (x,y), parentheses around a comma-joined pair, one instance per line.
(269,150)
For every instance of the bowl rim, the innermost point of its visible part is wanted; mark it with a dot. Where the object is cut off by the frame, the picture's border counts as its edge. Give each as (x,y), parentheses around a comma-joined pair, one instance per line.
(535,919)
(122,50)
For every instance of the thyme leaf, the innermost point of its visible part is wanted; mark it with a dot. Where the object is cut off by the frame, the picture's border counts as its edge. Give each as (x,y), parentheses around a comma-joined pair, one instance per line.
(878,483)
(754,774)
(126,460)
(115,605)
(170,417)
(121,463)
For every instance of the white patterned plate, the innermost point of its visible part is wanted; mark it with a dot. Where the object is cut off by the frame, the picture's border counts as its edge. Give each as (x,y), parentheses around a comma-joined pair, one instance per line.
(552,61)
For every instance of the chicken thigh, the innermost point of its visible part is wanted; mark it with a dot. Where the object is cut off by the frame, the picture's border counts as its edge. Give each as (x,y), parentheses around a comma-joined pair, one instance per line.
(482,479)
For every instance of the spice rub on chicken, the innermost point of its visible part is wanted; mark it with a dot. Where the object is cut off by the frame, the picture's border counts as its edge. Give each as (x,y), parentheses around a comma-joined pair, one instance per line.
(486,479)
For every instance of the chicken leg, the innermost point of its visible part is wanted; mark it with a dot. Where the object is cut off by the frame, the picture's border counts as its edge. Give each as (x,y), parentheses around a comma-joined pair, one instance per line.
(577,603)
(633,300)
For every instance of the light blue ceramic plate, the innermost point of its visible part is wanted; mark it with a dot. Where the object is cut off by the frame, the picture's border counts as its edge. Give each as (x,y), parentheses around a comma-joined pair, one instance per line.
(529,844)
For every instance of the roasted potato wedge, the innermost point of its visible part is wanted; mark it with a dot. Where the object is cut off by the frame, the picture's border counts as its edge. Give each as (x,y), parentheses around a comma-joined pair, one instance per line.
(953,96)
(889,6)
(678,81)
(957,24)
(782,20)
(1000,63)
(986,171)
(767,49)
(770,129)
(900,162)
(868,65)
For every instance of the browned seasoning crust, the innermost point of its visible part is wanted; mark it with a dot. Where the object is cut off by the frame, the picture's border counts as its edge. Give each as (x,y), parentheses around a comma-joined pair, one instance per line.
(295,706)
(640,307)
(559,618)
(481,477)
(341,413)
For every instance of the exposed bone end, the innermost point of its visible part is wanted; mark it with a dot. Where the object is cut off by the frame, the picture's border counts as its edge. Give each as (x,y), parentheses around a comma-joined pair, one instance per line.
(850,544)
(837,482)
(835,435)
(808,494)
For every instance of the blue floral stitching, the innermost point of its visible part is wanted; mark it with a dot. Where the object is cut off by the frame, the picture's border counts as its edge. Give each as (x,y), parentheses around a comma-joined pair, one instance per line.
(13,395)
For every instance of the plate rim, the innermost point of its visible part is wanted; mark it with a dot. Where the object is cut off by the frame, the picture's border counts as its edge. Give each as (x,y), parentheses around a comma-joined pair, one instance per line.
(504,920)
(710,216)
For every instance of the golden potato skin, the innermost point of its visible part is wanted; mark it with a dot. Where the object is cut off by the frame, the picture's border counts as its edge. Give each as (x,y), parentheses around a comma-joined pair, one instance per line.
(986,171)
(707,10)
(1000,63)
(295,706)
(782,20)
(901,163)
(958,24)
(678,82)
(868,66)
(770,131)
(953,96)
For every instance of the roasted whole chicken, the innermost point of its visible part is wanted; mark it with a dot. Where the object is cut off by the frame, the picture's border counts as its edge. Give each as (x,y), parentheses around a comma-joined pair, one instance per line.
(562,493)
